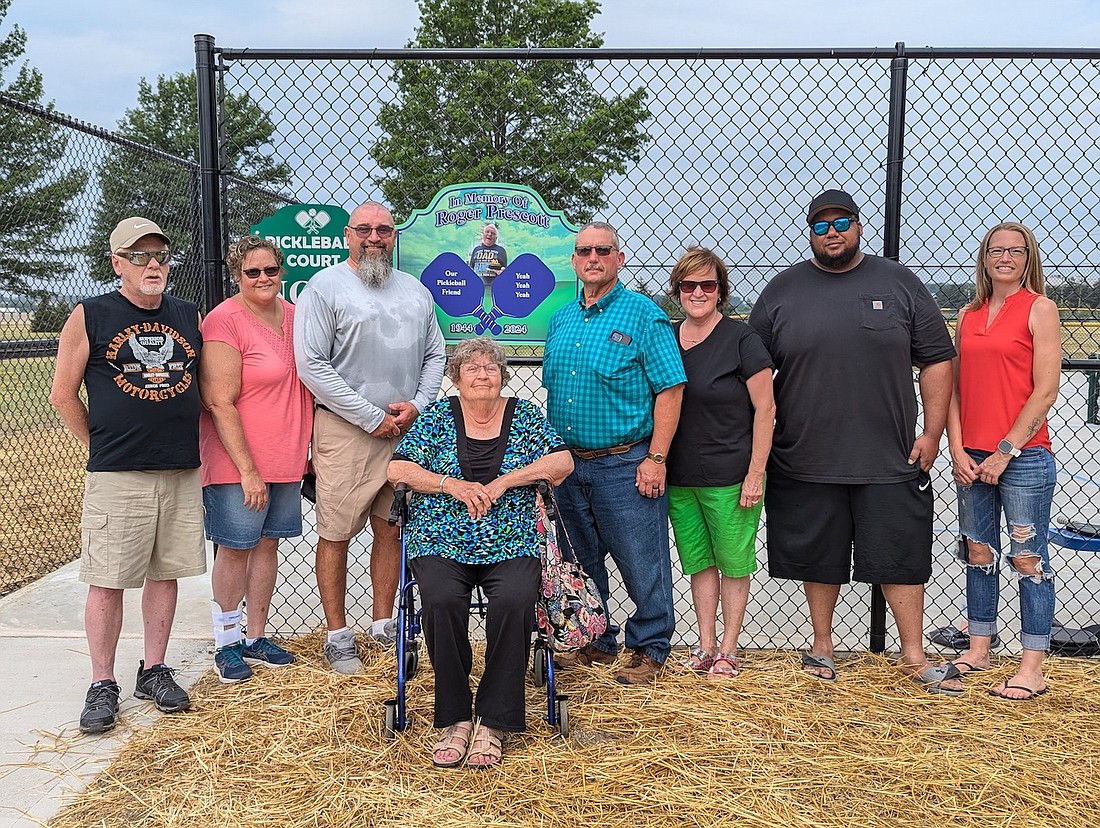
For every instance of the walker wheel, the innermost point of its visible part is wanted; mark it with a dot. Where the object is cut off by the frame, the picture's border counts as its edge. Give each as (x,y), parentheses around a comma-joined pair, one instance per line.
(389,729)
(538,666)
(561,706)
(412,662)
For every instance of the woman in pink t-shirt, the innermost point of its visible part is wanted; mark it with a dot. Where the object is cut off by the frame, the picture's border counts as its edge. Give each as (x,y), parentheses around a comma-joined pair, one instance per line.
(1006,380)
(254,441)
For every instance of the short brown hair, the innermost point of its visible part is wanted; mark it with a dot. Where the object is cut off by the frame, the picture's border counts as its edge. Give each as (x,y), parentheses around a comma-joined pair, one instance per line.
(695,259)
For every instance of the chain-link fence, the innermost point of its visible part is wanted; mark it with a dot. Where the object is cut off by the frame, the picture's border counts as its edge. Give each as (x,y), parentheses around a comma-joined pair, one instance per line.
(57,219)
(936,146)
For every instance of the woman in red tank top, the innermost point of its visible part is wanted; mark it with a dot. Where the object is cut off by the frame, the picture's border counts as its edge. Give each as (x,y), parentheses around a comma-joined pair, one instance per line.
(1006,379)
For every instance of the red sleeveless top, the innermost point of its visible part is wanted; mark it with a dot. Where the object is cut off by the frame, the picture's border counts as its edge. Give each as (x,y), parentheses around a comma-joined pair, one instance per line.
(995,373)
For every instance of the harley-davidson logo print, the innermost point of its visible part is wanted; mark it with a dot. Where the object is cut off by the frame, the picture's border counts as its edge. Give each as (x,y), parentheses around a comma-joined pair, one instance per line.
(153,361)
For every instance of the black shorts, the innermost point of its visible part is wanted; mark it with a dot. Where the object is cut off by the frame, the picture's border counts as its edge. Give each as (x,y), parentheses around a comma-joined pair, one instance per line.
(817,531)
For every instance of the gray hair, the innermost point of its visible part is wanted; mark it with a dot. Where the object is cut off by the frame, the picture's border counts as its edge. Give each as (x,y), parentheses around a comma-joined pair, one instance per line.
(467,349)
(603,225)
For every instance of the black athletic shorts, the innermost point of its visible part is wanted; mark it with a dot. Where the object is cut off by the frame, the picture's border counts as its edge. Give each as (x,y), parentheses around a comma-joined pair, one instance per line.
(829,533)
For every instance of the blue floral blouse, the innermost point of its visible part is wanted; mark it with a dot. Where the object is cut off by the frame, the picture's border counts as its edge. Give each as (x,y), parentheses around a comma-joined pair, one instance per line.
(439,524)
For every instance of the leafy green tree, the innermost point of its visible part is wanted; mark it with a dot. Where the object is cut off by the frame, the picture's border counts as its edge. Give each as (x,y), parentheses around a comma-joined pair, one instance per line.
(539,123)
(50,314)
(135,181)
(36,191)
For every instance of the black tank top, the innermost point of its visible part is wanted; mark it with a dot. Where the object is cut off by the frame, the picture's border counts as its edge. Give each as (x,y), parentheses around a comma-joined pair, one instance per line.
(142,381)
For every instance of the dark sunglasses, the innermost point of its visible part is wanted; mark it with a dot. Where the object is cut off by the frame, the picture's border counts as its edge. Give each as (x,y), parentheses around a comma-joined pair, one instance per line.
(141,257)
(601,249)
(254,272)
(842,225)
(688,286)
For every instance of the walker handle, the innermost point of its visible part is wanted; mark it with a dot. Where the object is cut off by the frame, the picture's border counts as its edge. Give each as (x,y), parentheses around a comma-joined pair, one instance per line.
(400,506)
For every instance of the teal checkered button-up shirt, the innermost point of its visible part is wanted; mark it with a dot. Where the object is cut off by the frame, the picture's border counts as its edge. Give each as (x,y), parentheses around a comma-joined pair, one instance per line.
(604,366)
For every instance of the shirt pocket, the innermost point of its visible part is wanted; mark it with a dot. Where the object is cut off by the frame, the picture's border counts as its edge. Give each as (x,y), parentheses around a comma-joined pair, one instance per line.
(878,311)
(617,361)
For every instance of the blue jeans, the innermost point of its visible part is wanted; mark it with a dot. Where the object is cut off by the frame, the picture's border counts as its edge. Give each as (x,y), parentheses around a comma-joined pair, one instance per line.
(603,514)
(1024,492)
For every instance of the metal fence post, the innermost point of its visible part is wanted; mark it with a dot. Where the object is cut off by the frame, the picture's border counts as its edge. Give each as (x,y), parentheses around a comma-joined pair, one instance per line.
(1093,406)
(891,248)
(209,172)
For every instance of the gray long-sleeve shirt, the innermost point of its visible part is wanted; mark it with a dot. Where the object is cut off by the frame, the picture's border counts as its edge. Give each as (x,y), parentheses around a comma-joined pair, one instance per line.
(358,349)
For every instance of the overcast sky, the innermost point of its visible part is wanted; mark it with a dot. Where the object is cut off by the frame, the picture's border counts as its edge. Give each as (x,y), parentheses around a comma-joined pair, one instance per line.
(93,53)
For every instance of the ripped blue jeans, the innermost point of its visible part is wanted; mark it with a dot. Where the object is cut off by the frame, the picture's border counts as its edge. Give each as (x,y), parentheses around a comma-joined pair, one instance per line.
(1024,492)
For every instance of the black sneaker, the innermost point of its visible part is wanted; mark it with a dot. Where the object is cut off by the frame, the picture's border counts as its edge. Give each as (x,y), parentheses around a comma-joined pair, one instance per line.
(100,712)
(157,684)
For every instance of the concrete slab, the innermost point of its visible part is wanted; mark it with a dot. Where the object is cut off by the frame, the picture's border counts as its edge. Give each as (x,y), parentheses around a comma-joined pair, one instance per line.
(44,758)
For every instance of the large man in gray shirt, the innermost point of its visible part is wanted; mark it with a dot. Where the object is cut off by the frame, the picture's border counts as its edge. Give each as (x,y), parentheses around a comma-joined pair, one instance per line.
(368,346)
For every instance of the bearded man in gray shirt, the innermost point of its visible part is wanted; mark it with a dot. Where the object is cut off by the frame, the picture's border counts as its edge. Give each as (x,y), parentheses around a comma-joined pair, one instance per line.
(367,344)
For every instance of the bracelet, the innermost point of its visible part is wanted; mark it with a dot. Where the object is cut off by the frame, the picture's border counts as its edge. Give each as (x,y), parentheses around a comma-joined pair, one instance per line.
(443,480)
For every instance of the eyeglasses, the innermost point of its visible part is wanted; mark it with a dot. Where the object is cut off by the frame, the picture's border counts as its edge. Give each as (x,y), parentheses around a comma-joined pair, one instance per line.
(842,225)
(471,370)
(142,257)
(254,272)
(363,231)
(601,249)
(1014,252)
(709,286)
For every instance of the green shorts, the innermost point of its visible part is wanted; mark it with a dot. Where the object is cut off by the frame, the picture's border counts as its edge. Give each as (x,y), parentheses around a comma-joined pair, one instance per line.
(712,529)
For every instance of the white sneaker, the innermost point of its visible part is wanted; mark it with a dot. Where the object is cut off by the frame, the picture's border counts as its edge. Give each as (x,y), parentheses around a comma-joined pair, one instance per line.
(341,653)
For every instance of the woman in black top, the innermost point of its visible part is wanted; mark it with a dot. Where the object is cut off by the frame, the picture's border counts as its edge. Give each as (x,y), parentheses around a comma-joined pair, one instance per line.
(717,458)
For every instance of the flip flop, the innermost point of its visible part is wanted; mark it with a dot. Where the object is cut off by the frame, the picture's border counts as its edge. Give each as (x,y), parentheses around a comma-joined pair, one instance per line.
(933,678)
(1004,685)
(970,668)
(454,738)
(821,663)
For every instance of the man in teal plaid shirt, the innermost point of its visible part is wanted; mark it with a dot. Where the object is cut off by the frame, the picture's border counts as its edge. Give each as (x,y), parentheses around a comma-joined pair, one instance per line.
(614,382)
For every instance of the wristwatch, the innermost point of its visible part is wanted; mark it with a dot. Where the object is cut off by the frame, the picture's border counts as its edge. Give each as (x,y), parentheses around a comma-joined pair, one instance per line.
(1005,447)
(657,457)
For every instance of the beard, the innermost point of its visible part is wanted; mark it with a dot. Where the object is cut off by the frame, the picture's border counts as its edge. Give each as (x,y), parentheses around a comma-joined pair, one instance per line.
(838,261)
(374,270)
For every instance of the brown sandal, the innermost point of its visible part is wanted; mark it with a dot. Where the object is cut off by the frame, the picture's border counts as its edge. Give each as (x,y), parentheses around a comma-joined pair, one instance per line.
(485,749)
(454,739)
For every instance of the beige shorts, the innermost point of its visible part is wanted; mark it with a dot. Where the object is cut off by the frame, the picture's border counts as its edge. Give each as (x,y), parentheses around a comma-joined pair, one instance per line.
(351,476)
(141,524)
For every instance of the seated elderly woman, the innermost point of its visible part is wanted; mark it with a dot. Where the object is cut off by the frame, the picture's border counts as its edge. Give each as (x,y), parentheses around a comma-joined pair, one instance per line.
(474,460)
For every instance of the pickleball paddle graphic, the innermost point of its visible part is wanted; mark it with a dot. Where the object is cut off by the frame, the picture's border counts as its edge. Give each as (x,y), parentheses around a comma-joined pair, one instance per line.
(521,288)
(456,288)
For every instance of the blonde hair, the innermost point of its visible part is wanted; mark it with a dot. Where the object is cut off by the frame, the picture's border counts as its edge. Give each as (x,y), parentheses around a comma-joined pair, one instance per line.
(1033,270)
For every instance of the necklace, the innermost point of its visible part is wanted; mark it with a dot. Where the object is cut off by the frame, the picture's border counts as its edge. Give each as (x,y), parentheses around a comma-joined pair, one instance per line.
(704,330)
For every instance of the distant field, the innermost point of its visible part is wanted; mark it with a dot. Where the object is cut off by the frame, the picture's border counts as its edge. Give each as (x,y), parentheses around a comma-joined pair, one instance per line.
(24,389)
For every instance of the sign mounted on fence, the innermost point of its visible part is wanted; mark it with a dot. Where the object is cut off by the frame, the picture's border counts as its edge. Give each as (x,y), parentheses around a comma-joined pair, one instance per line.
(311,237)
(496,259)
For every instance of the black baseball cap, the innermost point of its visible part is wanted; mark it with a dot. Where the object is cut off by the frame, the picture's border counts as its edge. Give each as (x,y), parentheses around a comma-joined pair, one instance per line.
(837,199)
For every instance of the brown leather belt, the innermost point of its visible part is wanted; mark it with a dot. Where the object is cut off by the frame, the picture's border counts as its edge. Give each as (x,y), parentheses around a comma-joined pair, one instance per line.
(592,454)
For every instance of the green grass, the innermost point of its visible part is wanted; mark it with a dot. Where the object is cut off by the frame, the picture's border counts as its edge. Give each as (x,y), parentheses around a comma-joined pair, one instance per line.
(24,391)
(18,326)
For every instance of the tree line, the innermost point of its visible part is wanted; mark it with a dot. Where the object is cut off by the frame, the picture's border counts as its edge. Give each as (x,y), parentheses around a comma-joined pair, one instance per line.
(526,121)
